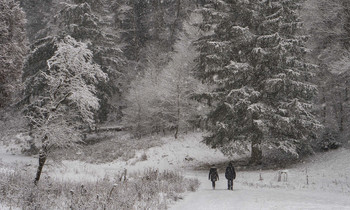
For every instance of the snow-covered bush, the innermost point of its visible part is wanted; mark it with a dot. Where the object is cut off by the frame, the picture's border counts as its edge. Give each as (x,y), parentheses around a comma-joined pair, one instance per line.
(277,157)
(329,140)
(281,154)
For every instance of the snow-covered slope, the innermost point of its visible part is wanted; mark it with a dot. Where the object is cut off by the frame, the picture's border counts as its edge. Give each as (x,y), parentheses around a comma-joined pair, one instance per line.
(324,172)
(184,153)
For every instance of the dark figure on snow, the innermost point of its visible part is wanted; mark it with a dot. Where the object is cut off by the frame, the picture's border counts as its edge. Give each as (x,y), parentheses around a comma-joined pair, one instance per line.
(230,175)
(213,175)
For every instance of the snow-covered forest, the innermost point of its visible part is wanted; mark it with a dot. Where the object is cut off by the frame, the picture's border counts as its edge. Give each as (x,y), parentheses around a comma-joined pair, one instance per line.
(126,104)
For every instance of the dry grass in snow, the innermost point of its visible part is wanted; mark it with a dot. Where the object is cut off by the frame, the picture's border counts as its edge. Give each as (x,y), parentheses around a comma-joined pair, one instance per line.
(149,189)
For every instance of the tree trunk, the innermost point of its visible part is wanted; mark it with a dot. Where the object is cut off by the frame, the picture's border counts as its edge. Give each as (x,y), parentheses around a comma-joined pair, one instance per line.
(178,8)
(341,123)
(256,155)
(176,131)
(42,160)
(346,104)
(178,112)
(174,25)
(324,114)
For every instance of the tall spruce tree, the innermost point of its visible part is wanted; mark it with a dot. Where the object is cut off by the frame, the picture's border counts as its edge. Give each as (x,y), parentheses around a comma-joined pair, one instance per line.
(262,94)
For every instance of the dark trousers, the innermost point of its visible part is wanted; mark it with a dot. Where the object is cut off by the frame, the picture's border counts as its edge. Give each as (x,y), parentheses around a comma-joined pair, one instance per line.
(213,184)
(230,184)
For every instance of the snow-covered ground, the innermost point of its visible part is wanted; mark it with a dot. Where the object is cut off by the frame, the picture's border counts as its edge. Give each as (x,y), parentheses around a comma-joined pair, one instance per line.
(321,182)
(252,197)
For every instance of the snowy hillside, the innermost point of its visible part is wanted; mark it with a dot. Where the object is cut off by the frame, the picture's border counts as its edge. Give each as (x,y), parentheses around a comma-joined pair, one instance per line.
(184,153)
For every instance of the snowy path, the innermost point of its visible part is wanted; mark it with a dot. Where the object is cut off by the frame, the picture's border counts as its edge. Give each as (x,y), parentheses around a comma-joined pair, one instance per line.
(244,197)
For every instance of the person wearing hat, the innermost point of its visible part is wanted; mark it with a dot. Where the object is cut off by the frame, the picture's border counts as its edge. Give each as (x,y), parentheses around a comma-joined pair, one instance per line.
(213,175)
(230,175)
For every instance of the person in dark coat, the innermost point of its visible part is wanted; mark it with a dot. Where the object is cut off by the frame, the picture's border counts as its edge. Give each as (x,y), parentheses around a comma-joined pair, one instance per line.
(230,175)
(213,175)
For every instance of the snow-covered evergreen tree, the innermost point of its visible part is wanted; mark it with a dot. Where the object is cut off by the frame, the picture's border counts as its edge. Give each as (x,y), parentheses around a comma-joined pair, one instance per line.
(13,49)
(68,100)
(262,92)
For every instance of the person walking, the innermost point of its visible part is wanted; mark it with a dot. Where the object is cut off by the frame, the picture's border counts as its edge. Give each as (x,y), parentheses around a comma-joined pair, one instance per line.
(213,175)
(230,175)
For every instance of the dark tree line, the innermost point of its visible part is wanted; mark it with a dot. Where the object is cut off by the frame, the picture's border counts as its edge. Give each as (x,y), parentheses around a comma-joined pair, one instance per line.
(13,49)
(328,23)
(125,36)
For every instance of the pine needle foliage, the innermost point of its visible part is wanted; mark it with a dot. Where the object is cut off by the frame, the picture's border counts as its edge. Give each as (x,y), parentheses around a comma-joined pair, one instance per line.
(253,56)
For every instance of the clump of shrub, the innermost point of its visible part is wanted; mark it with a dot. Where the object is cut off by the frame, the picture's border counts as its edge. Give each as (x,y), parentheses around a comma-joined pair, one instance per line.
(329,140)
(143,157)
(147,190)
